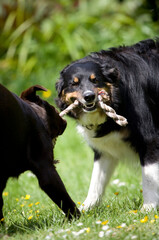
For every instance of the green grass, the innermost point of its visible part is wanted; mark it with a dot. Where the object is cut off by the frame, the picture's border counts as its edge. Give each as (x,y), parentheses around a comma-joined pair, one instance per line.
(48,222)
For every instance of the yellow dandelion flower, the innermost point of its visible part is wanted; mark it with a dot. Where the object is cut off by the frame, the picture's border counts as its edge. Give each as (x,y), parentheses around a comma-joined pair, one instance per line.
(37,203)
(22,205)
(17,199)
(105,222)
(30,211)
(122,225)
(78,203)
(2,220)
(30,217)
(116,193)
(119,227)
(83,211)
(37,211)
(47,94)
(156,216)
(145,219)
(27,197)
(30,205)
(133,211)
(88,230)
(108,206)
(5,194)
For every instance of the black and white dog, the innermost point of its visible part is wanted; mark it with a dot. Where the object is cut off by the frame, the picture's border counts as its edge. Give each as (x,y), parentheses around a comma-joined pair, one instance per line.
(130,76)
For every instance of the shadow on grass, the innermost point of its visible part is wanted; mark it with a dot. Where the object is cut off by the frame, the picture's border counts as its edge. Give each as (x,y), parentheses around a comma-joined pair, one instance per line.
(29,226)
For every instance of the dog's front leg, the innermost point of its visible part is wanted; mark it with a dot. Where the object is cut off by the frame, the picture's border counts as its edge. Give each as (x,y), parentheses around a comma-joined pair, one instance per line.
(52,185)
(150,181)
(103,168)
(1,206)
(2,186)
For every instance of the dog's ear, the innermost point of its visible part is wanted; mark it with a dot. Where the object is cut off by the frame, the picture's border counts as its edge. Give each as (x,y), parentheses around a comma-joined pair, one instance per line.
(112,75)
(30,93)
(56,124)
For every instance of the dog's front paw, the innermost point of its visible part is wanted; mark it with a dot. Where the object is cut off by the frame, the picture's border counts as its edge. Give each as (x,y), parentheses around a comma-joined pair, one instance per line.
(85,207)
(148,207)
(88,205)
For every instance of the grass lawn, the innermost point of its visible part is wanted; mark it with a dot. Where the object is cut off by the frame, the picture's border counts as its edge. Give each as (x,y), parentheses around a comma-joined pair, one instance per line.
(30,214)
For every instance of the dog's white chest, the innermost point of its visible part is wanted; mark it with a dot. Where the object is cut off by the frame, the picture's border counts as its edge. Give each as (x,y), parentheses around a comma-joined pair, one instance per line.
(111,144)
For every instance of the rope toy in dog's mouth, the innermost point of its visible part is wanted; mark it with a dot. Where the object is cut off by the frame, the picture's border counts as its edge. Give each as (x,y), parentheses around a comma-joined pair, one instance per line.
(69,108)
(110,112)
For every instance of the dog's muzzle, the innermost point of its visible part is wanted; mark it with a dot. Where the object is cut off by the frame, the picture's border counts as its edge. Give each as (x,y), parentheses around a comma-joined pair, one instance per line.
(89,101)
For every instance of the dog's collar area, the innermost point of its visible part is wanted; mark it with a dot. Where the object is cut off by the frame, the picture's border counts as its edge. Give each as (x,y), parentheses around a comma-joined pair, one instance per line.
(90,126)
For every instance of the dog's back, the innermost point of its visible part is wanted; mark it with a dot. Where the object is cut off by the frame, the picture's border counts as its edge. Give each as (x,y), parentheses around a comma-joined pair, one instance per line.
(18,127)
(27,127)
(12,128)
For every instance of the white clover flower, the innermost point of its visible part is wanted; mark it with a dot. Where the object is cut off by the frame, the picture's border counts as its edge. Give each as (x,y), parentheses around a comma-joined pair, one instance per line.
(115,181)
(101,234)
(79,224)
(106,227)
(48,237)
(121,184)
(108,232)
(98,222)
(134,237)
(79,232)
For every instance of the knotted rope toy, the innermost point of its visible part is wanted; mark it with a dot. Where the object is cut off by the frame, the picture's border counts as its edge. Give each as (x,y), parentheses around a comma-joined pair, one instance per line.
(69,108)
(110,112)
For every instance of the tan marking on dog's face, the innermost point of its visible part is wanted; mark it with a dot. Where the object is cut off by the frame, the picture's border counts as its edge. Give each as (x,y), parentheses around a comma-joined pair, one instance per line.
(70,97)
(92,76)
(76,80)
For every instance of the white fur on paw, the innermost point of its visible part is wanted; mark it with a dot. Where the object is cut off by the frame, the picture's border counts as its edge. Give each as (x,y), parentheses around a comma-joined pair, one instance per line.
(148,207)
(87,205)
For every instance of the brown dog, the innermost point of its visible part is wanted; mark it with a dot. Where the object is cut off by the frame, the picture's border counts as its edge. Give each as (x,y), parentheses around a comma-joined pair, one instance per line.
(27,127)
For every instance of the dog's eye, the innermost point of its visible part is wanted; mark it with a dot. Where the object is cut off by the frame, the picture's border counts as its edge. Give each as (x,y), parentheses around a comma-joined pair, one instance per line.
(76,81)
(93,78)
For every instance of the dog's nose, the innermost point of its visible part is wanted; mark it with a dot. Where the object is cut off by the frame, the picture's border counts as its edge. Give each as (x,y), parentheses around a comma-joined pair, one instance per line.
(89,96)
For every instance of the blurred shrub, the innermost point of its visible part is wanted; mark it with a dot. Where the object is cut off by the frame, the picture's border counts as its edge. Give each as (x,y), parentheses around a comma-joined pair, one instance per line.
(38,38)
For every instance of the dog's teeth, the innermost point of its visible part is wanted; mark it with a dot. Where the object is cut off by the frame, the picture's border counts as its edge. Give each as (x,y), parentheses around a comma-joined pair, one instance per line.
(90,105)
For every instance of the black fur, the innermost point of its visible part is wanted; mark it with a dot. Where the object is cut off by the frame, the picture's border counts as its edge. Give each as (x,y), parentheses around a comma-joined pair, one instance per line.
(134,92)
(27,127)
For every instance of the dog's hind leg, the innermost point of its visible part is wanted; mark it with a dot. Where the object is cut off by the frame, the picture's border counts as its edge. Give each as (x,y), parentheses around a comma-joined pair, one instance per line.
(102,171)
(52,185)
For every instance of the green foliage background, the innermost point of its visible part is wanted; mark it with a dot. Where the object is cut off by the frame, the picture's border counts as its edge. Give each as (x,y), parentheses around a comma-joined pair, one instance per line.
(38,38)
